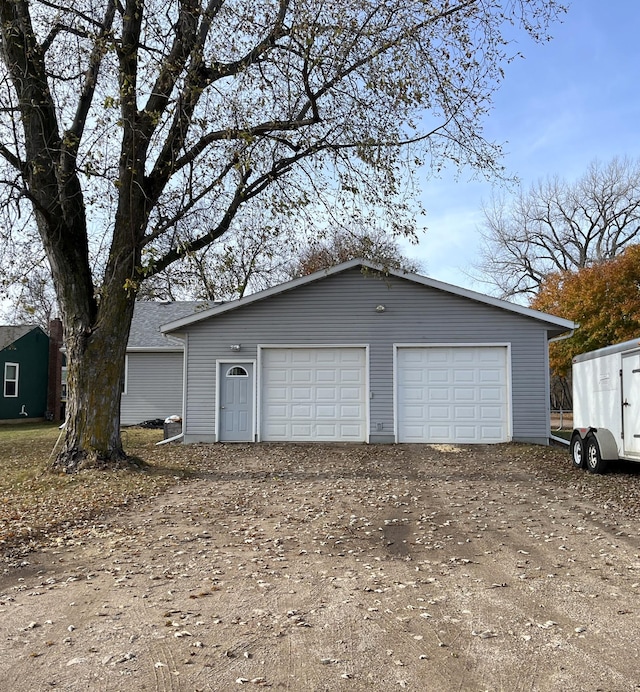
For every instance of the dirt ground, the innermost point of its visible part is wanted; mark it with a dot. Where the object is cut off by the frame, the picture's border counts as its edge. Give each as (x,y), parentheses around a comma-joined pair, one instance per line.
(311,568)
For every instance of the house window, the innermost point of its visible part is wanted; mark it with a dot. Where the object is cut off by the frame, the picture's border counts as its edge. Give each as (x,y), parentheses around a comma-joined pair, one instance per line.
(11,379)
(237,371)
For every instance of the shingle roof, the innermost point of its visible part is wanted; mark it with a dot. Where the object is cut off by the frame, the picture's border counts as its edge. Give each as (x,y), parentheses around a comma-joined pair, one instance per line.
(149,315)
(11,333)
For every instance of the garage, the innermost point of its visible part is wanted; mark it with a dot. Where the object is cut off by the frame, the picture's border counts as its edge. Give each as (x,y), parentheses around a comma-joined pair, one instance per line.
(316,394)
(359,354)
(453,394)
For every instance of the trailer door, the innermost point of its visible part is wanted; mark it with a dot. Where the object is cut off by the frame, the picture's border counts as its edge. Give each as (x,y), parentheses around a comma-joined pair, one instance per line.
(631,403)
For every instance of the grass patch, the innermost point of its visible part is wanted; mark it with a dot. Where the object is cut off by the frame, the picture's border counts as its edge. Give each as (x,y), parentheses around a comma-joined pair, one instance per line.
(36,502)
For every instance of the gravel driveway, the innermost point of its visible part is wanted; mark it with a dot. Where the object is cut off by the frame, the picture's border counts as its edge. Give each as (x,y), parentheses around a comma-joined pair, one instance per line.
(338,567)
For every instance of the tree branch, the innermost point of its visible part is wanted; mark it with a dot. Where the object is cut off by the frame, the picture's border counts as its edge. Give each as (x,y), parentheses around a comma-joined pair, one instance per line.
(174,254)
(71,140)
(198,78)
(13,159)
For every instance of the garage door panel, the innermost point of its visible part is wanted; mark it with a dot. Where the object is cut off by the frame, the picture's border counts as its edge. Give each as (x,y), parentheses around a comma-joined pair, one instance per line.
(354,412)
(433,394)
(491,376)
(276,430)
(327,411)
(414,394)
(490,413)
(301,411)
(435,412)
(327,376)
(276,376)
(411,377)
(326,431)
(350,394)
(324,356)
(462,377)
(488,394)
(439,433)
(414,413)
(350,432)
(274,411)
(464,433)
(333,405)
(466,386)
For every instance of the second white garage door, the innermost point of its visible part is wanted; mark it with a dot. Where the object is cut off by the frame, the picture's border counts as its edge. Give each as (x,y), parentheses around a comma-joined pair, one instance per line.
(453,394)
(314,394)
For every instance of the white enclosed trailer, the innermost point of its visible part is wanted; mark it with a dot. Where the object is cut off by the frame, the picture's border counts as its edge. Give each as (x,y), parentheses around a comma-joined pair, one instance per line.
(606,406)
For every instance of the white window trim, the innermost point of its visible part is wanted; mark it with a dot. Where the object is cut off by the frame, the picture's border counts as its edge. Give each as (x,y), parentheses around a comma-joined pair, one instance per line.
(125,385)
(7,379)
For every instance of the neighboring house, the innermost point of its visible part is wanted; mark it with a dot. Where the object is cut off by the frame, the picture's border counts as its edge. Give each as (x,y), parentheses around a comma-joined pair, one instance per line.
(24,364)
(154,368)
(350,355)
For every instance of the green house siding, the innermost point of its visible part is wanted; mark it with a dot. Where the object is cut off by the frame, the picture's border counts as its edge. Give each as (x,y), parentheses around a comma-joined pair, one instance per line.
(31,354)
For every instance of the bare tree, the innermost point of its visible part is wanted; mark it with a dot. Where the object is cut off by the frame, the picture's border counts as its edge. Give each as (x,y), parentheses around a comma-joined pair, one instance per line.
(31,299)
(560,226)
(139,131)
(243,261)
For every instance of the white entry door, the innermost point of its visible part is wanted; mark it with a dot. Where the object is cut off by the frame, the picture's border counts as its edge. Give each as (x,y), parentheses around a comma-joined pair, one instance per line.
(314,394)
(452,394)
(236,402)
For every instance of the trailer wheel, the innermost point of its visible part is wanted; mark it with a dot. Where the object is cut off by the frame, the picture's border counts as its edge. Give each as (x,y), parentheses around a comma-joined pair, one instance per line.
(593,459)
(577,451)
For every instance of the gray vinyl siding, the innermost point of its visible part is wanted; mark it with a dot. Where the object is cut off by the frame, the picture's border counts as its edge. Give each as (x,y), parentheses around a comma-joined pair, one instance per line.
(154,387)
(340,310)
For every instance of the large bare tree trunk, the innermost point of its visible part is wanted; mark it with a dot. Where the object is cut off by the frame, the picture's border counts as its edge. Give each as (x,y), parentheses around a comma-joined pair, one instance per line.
(95,377)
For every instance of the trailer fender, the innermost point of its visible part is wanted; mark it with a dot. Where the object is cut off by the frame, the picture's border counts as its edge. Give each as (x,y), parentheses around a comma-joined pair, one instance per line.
(606,443)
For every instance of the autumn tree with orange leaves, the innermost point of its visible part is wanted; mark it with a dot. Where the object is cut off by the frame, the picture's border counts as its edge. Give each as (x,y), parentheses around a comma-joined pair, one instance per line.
(604,299)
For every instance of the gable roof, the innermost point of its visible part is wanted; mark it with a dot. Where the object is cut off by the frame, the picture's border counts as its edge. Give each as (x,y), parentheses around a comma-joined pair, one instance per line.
(148,316)
(561,325)
(11,333)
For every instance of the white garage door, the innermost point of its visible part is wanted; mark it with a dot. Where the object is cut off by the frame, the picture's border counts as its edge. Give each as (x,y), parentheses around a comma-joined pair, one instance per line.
(314,394)
(452,394)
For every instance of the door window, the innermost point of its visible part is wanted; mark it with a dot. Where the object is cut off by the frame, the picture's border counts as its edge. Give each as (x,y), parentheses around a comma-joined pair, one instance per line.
(237,371)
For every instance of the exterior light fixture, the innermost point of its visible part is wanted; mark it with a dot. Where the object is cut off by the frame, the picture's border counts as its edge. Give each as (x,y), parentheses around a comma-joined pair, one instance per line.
(380,308)
(234,347)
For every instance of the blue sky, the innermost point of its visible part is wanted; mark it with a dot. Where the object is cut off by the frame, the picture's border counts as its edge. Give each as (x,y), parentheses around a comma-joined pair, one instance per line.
(568,102)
